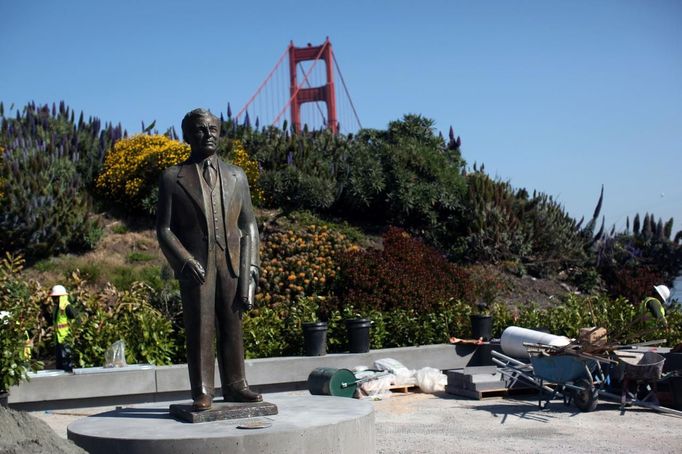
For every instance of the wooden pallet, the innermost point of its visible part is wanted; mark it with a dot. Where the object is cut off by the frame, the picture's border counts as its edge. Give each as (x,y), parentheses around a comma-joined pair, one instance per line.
(489,393)
(403,388)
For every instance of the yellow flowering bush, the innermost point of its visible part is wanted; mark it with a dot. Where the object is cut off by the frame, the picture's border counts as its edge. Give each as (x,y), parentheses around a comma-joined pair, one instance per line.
(132,167)
(300,263)
(240,157)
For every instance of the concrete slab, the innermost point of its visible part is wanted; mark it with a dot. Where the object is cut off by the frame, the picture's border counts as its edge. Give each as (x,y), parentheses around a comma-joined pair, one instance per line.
(305,424)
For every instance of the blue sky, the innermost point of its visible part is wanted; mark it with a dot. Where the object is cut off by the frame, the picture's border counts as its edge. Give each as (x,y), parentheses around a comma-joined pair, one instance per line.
(556,96)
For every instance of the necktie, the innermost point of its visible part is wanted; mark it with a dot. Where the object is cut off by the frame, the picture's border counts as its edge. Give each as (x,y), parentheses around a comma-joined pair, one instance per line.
(209,174)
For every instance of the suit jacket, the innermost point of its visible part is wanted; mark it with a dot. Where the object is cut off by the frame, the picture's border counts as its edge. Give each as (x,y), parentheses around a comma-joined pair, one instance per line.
(181,222)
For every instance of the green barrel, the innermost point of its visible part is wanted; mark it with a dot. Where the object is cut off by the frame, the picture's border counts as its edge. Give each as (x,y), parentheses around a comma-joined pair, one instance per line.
(327,381)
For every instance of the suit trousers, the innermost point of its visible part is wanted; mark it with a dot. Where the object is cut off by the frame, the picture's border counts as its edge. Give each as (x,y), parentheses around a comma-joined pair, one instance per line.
(208,309)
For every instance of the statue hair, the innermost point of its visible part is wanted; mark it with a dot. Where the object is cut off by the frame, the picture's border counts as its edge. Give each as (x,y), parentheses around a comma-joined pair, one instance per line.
(190,116)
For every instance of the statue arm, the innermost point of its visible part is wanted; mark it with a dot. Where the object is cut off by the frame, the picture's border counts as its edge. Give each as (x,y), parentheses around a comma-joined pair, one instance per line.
(176,254)
(247,223)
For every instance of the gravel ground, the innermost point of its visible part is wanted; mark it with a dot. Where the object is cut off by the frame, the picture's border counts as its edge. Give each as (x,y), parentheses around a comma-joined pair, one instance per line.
(426,423)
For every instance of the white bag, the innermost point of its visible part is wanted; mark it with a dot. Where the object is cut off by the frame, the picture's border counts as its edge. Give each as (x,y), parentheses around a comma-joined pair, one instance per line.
(431,380)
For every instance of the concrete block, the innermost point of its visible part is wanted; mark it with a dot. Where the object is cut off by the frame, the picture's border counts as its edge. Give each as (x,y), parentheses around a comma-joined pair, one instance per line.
(79,386)
(483,378)
(470,370)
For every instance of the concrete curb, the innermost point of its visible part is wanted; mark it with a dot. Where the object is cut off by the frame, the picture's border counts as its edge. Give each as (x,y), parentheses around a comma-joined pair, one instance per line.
(144,383)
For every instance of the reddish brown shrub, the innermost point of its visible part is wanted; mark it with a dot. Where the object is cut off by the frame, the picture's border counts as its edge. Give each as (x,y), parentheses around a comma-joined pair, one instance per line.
(406,274)
(635,284)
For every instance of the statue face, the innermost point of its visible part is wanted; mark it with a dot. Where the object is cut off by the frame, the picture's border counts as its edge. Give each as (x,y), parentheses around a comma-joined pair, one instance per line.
(203,136)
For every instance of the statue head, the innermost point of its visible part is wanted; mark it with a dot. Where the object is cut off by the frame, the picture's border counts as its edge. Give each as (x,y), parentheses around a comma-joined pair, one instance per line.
(201,129)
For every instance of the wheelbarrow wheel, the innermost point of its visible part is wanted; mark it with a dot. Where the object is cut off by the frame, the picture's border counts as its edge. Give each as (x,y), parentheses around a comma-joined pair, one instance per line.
(585,398)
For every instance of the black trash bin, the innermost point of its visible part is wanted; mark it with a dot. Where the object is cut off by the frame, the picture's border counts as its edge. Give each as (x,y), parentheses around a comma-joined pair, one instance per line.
(481,326)
(358,334)
(315,338)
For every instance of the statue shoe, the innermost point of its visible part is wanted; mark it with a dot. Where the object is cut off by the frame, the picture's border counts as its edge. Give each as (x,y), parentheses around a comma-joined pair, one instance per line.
(240,392)
(202,402)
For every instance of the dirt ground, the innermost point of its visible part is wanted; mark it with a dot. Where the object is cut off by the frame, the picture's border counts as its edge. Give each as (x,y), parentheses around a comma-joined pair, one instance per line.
(427,423)
(22,433)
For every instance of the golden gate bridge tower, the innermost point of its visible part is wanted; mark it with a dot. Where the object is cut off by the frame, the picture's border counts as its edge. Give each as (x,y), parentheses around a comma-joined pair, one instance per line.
(305,95)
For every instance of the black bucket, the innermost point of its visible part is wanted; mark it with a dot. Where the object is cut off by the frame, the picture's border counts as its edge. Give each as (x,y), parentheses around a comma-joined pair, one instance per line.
(481,326)
(358,334)
(315,339)
(676,390)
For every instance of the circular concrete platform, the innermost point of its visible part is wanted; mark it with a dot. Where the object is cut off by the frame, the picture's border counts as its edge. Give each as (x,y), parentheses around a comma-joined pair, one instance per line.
(305,424)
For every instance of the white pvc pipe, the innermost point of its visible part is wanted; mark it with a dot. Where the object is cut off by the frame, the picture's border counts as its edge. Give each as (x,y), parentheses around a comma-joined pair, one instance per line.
(514,337)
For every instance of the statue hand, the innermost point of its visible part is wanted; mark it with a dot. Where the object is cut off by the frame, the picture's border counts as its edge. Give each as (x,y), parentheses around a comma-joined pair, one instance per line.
(255,273)
(194,270)
(248,302)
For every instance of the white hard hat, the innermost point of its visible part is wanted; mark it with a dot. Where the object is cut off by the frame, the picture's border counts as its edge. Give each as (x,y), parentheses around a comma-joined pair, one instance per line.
(663,291)
(58,290)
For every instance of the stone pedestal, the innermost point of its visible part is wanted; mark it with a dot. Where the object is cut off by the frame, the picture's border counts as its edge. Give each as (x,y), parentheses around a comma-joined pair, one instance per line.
(304,424)
(223,410)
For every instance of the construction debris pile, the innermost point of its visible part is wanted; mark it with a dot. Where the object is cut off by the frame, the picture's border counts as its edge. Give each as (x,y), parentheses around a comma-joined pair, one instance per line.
(580,371)
(378,382)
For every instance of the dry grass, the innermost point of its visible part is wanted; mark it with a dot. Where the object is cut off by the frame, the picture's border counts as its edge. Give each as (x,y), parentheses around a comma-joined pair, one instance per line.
(120,256)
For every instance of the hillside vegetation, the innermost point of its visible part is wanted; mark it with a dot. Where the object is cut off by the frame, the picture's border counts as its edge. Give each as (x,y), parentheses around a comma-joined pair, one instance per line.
(390,224)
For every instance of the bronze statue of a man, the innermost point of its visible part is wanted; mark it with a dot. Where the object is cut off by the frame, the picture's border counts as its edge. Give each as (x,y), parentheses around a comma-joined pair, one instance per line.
(204,213)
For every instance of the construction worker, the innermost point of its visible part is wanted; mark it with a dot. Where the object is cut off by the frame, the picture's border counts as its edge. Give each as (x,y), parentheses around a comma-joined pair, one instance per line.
(655,306)
(28,347)
(63,312)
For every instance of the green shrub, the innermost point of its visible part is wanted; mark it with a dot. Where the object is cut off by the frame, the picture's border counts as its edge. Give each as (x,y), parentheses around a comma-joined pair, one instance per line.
(622,319)
(263,333)
(297,171)
(120,314)
(44,210)
(499,223)
(47,163)
(119,229)
(58,134)
(277,331)
(405,175)
(18,319)
(137,256)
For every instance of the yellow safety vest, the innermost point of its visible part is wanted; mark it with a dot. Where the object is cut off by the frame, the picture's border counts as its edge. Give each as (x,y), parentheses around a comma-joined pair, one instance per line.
(654,306)
(26,354)
(61,323)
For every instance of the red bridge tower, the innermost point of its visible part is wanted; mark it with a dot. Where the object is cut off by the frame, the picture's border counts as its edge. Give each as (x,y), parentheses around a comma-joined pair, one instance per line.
(323,93)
